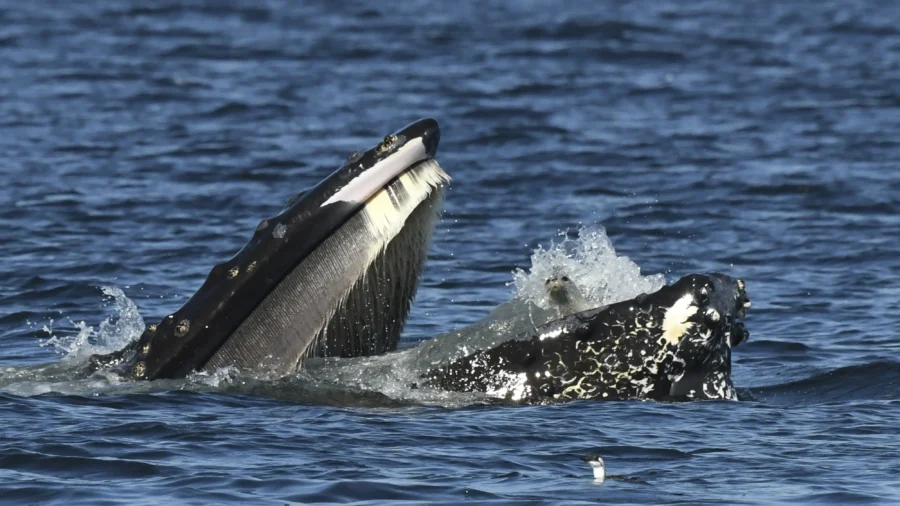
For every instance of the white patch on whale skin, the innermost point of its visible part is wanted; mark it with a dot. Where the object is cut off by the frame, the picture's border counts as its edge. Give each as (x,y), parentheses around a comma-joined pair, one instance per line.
(363,186)
(719,388)
(675,323)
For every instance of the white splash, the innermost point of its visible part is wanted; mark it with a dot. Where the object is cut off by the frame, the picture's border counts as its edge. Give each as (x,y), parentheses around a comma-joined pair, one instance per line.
(218,378)
(117,330)
(512,385)
(552,334)
(112,334)
(590,261)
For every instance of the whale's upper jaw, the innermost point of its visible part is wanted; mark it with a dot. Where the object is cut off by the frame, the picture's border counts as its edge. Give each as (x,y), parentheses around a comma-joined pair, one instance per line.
(363,174)
(375,191)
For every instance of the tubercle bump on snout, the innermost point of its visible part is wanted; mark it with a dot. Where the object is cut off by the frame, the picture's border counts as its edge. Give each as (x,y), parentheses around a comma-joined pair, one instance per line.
(722,312)
(725,295)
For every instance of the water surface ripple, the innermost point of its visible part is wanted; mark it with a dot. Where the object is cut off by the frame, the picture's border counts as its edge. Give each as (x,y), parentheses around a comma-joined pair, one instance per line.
(142,142)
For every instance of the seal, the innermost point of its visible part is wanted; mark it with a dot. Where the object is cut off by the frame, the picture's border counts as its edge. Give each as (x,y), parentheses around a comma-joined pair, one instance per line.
(672,344)
(565,295)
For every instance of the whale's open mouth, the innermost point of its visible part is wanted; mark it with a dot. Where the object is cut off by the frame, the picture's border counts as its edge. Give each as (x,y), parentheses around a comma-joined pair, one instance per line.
(332,275)
(352,293)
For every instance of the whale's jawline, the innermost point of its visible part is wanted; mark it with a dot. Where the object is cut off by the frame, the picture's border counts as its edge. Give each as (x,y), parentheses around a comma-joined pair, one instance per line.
(351,296)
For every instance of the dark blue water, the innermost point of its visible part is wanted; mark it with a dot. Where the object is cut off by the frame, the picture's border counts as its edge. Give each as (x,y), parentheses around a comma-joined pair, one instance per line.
(142,141)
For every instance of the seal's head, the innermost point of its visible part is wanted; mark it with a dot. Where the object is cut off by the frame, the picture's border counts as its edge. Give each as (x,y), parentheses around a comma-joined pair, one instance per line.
(560,289)
(596,463)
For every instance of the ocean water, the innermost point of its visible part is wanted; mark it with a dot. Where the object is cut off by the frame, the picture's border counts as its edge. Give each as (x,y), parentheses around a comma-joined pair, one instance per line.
(142,141)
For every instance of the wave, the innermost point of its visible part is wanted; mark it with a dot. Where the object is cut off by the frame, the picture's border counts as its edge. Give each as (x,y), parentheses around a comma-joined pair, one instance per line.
(878,380)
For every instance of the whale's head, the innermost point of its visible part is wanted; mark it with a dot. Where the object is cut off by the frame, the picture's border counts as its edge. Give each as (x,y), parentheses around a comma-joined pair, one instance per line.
(703,322)
(705,316)
(333,274)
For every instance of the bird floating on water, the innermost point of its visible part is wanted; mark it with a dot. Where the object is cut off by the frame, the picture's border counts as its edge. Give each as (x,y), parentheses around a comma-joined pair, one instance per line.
(596,463)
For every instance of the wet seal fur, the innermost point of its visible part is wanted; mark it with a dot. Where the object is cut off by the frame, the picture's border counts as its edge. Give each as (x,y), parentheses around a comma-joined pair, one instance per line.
(673,344)
(565,295)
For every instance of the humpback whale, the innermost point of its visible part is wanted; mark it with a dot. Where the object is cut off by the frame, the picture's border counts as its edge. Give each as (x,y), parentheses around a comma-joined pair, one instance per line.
(332,275)
(672,344)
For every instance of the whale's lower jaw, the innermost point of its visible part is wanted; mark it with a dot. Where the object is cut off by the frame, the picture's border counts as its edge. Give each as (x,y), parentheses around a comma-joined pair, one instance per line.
(352,295)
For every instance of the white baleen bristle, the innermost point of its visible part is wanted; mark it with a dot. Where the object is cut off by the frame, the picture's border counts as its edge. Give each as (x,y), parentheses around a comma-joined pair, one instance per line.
(385,212)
